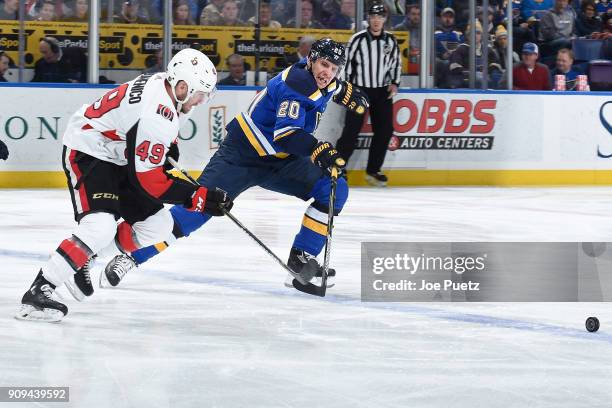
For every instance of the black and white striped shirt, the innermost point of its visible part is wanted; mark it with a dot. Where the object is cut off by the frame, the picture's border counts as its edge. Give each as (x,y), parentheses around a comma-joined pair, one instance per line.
(373,62)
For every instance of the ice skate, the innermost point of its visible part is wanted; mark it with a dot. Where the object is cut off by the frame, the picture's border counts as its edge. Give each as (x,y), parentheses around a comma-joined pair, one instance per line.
(115,270)
(300,261)
(79,285)
(38,304)
(376,179)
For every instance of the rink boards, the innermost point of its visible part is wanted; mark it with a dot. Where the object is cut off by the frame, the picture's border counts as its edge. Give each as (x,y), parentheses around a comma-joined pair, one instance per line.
(440,137)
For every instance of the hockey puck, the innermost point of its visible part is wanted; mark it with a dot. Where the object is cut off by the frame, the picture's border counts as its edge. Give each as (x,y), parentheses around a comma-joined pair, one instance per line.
(592,324)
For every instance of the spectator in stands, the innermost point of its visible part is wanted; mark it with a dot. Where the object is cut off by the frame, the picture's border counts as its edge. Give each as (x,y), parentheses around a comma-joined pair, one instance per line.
(530,74)
(327,10)
(265,16)
(412,24)
(4,66)
(182,14)
(446,35)
(62,11)
(461,9)
(564,66)
(535,8)
(490,17)
(604,7)
(52,67)
(460,63)
(9,10)
(156,10)
(229,14)
(501,47)
(129,13)
(587,21)
(447,39)
(344,19)
(282,10)
(81,11)
(607,27)
(235,65)
(47,12)
(211,15)
(302,52)
(557,27)
(308,20)
(159,63)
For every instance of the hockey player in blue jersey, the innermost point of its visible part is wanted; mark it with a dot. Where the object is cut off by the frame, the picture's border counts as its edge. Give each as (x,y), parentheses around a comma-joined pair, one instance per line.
(272,146)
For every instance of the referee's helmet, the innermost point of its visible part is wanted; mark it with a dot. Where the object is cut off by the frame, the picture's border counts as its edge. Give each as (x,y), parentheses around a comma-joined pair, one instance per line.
(377,9)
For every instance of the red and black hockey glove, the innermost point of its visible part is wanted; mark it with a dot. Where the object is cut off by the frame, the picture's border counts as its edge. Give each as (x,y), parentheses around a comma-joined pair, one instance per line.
(325,156)
(211,202)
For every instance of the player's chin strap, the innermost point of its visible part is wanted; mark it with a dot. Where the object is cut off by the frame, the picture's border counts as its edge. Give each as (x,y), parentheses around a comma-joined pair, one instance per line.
(300,282)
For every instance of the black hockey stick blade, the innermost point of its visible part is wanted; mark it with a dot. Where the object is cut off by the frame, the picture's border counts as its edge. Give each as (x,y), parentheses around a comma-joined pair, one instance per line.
(310,288)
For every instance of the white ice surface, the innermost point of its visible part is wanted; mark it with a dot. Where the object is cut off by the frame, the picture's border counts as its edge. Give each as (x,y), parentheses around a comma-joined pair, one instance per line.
(208,323)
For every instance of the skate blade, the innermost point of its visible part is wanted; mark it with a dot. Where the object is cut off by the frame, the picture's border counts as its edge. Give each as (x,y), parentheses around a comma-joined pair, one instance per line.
(30,313)
(315,281)
(74,290)
(375,183)
(104,282)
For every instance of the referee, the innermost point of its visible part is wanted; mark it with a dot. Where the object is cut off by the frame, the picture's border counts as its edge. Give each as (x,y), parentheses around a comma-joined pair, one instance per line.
(374,65)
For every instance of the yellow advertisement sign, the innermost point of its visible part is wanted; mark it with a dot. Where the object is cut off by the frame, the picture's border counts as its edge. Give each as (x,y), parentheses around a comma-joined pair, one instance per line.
(133,46)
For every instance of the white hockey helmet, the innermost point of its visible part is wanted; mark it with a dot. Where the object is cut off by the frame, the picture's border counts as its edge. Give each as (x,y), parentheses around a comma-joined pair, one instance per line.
(195,69)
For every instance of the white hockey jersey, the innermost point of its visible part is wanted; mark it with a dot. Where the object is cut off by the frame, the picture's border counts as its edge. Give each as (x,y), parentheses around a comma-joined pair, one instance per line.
(133,125)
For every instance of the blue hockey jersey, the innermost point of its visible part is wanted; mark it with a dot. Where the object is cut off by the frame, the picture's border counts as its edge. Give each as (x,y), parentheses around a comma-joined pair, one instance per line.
(281,118)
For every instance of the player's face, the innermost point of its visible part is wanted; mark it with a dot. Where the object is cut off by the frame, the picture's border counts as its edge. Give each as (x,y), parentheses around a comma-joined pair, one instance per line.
(324,72)
(195,100)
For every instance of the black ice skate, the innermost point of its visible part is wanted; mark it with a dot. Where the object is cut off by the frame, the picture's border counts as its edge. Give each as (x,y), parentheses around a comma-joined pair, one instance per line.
(38,303)
(304,264)
(116,270)
(79,285)
(376,179)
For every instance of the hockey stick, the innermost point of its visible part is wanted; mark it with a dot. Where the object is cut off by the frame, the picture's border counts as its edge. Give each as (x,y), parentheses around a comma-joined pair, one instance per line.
(298,279)
(314,289)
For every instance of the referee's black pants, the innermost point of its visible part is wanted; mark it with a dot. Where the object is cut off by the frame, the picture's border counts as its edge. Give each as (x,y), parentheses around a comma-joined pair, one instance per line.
(381,114)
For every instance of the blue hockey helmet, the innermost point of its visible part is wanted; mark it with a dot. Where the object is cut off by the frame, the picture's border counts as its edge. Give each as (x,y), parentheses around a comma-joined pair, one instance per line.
(330,50)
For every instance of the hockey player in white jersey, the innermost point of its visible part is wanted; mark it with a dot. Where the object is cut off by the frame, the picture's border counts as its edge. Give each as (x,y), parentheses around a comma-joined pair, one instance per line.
(114,154)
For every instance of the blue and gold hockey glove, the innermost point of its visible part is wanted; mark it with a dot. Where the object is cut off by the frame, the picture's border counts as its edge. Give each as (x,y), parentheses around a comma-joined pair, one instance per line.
(325,156)
(351,97)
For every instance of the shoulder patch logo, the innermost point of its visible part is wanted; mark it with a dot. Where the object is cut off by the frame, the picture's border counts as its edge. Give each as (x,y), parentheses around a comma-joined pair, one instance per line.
(165,112)
(386,49)
(194,61)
